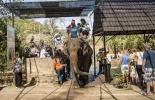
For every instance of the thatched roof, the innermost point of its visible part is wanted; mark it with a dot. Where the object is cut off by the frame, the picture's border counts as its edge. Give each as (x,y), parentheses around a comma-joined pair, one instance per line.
(114,17)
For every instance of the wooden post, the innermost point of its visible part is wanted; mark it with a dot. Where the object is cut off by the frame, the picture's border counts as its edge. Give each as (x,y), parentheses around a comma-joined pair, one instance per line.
(13,14)
(13,23)
(94,55)
(105,67)
(144,37)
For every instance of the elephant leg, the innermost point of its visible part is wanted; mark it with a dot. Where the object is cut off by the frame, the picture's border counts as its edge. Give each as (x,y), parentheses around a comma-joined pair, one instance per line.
(84,79)
(76,82)
(75,79)
(80,76)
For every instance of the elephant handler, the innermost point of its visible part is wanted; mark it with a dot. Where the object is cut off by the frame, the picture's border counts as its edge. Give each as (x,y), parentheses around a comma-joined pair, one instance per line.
(74,31)
(102,63)
(58,67)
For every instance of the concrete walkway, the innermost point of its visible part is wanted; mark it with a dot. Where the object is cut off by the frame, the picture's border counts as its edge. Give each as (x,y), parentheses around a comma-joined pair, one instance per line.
(97,90)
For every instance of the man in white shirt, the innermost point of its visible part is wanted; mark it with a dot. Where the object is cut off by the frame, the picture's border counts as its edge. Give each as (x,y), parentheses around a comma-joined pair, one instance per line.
(108,59)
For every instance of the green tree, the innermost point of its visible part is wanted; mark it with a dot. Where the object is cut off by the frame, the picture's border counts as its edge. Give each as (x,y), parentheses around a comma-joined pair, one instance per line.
(126,42)
(3,45)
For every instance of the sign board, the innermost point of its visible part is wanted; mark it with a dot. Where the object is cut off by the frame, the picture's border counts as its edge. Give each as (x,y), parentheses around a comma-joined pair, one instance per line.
(10,45)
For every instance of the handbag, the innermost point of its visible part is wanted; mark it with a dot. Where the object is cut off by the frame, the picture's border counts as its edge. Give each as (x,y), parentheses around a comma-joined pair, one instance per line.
(135,59)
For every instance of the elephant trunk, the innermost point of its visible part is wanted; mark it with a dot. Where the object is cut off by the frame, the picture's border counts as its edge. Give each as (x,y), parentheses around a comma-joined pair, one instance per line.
(74,64)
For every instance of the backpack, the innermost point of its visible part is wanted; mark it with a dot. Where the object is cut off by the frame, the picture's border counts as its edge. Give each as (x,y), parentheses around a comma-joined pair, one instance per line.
(59,42)
(17,67)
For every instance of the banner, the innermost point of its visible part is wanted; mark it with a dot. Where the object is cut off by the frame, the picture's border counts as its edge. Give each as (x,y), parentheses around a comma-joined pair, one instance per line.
(10,45)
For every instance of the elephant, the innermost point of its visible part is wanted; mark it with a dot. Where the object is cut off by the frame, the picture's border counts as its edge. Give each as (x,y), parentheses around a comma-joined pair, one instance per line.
(79,53)
(31,52)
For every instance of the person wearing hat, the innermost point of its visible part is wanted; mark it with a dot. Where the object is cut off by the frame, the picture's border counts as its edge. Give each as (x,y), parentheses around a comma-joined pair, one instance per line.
(148,67)
(58,41)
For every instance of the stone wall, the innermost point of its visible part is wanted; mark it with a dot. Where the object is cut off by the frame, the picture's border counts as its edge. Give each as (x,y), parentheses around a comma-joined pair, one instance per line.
(41,69)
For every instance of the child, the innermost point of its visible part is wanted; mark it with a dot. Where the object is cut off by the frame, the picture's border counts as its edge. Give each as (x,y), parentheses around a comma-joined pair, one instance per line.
(133,73)
(17,69)
(58,67)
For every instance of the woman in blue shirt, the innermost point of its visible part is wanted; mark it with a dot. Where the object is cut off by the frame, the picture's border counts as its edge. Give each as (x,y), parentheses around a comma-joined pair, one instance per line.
(124,65)
(74,31)
(124,62)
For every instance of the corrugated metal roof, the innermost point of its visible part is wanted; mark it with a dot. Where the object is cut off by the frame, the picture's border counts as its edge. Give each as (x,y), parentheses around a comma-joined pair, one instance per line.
(125,17)
(50,9)
(3,12)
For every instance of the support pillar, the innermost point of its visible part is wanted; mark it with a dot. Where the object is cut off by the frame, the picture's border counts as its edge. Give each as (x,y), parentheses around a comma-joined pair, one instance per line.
(115,52)
(144,38)
(105,67)
(13,19)
(94,55)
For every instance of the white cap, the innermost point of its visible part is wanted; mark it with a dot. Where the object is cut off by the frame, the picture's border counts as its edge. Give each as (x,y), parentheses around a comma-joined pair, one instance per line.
(58,38)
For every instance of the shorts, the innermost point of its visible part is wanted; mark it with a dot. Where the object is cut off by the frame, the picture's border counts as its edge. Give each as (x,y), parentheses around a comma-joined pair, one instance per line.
(124,69)
(132,74)
(149,75)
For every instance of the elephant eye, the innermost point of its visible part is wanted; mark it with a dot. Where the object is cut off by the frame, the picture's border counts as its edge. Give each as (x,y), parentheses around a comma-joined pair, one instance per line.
(79,51)
(68,51)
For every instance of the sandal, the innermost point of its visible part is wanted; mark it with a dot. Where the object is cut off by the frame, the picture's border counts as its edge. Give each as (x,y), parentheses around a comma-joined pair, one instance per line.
(147,94)
(154,93)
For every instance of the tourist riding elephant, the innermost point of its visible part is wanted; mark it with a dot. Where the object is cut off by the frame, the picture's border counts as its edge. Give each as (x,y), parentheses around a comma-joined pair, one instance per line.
(79,53)
(31,52)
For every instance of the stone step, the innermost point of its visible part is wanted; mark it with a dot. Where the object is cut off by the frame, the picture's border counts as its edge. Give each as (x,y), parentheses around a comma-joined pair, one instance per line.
(41,74)
(43,77)
(40,69)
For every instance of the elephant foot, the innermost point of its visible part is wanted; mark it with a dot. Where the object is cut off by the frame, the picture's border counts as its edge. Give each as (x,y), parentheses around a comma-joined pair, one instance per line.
(75,87)
(83,84)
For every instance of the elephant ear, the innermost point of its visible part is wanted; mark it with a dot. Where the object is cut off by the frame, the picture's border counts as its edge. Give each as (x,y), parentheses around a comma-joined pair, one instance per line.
(65,50)
(85,48)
